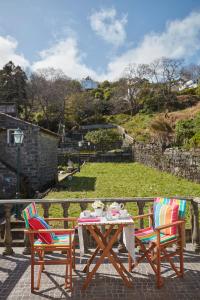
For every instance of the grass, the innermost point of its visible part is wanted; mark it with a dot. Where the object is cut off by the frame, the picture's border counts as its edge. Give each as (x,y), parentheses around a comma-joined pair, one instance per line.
(139,125)
(121,180)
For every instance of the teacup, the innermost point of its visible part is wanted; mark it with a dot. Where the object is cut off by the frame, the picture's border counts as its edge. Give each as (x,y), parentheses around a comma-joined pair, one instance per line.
(86,214)
(98,212)
(116,206)
(123,213)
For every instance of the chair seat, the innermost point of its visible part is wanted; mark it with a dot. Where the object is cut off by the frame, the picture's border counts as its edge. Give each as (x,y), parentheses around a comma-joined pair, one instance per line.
(58,240)
(148,234)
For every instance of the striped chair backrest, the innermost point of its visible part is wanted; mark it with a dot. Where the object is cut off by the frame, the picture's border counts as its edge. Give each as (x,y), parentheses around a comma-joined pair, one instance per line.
(180,203)
(29,212)
(165,214)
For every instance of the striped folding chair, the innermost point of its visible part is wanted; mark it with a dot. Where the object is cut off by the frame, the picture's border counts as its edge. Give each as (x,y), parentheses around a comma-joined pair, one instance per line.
(43,239)
(166,229)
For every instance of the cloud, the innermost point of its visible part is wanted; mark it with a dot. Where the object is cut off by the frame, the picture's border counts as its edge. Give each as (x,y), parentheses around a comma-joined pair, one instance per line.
(181,39)
(108,27)
(8,48)
(66,56)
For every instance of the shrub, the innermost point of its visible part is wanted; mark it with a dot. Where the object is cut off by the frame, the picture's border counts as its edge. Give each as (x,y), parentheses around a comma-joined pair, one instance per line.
(194,142)
(188,91)
(187,132)
(184,131)
(103,137)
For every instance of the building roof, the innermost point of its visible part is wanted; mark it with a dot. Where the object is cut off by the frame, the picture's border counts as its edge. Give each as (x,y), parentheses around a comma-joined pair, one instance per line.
(31,124)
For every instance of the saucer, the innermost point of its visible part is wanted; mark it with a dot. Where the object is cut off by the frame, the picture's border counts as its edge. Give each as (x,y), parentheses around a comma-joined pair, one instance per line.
(124,217)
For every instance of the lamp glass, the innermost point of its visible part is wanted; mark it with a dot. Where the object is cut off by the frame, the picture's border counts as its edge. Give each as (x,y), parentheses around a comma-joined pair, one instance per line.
(18,136)
(80,143)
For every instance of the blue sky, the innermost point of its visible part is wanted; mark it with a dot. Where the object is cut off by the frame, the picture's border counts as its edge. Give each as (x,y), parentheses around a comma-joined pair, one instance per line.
(97,38)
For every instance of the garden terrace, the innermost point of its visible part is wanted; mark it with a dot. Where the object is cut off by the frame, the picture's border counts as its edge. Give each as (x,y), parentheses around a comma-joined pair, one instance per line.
(106,182)
(193,232)
(15,268)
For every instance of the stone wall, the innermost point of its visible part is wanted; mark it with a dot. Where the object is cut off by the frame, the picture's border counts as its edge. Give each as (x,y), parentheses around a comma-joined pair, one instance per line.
(7,182)
(176,161)
(28,150)
(38,153)
(47,159)
(63,157)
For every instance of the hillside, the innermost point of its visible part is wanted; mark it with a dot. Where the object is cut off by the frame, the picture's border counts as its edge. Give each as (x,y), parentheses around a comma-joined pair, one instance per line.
(141,126)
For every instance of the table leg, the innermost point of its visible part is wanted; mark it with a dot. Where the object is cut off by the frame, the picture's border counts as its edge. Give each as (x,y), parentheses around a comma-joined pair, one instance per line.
(111,251)
(90,260)
(105,246)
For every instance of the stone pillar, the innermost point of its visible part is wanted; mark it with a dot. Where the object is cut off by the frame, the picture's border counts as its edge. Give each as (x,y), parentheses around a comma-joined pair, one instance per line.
(195,226)
(8,236)
(46,207)
(65,207)
(141,205)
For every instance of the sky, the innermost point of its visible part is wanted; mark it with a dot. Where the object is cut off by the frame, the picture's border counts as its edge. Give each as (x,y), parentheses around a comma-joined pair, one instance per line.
(97,38)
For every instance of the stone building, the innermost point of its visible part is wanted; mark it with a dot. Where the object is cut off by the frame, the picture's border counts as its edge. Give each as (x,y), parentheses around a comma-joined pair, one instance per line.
(38,157)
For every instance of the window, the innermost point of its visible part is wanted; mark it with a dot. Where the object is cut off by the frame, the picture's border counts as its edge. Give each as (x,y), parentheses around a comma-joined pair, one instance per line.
(10,137)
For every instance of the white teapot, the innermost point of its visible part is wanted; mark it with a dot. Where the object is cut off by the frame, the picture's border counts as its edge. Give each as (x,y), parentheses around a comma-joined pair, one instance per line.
(116,206)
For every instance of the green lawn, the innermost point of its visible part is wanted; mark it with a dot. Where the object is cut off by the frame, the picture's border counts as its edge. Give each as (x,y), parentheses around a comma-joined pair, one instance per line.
(121,180)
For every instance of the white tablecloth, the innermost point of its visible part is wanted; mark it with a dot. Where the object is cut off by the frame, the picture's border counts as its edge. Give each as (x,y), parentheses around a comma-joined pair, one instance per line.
(128,233)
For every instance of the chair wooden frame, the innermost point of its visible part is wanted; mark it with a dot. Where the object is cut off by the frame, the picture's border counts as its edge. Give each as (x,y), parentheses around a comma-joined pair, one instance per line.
(41,249)
(156,251)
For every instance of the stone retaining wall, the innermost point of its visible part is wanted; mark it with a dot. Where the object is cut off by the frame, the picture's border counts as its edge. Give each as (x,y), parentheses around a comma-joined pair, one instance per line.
(176,161)
(96,157)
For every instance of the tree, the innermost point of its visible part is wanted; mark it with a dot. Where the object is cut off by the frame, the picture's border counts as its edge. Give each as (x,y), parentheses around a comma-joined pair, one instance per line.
(80,107)
(49,90)
(13,84)
(190,72)
(165,72)
(128,89)
(102,96)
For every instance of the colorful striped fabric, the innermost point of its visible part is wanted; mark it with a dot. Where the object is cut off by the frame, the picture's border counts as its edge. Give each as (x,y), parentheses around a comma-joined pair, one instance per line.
(165,214)
(148,235)
(181,203)
(59,240)
(29,212)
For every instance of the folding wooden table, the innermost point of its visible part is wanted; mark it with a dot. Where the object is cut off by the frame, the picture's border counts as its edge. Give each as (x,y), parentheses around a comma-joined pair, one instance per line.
(105,242)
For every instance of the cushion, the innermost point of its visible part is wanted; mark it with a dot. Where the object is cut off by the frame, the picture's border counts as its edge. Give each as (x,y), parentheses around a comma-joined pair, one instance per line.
(180,203)
(38,223)
(47,226)
(147,235)
(59,240)
(165,214)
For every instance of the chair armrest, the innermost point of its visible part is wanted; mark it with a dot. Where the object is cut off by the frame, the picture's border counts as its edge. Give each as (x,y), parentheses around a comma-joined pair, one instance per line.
(142,216)
(30,231)
(177,223)
(62,219)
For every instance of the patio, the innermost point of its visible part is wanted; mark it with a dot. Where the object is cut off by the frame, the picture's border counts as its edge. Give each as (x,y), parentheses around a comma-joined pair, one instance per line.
(15,280)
